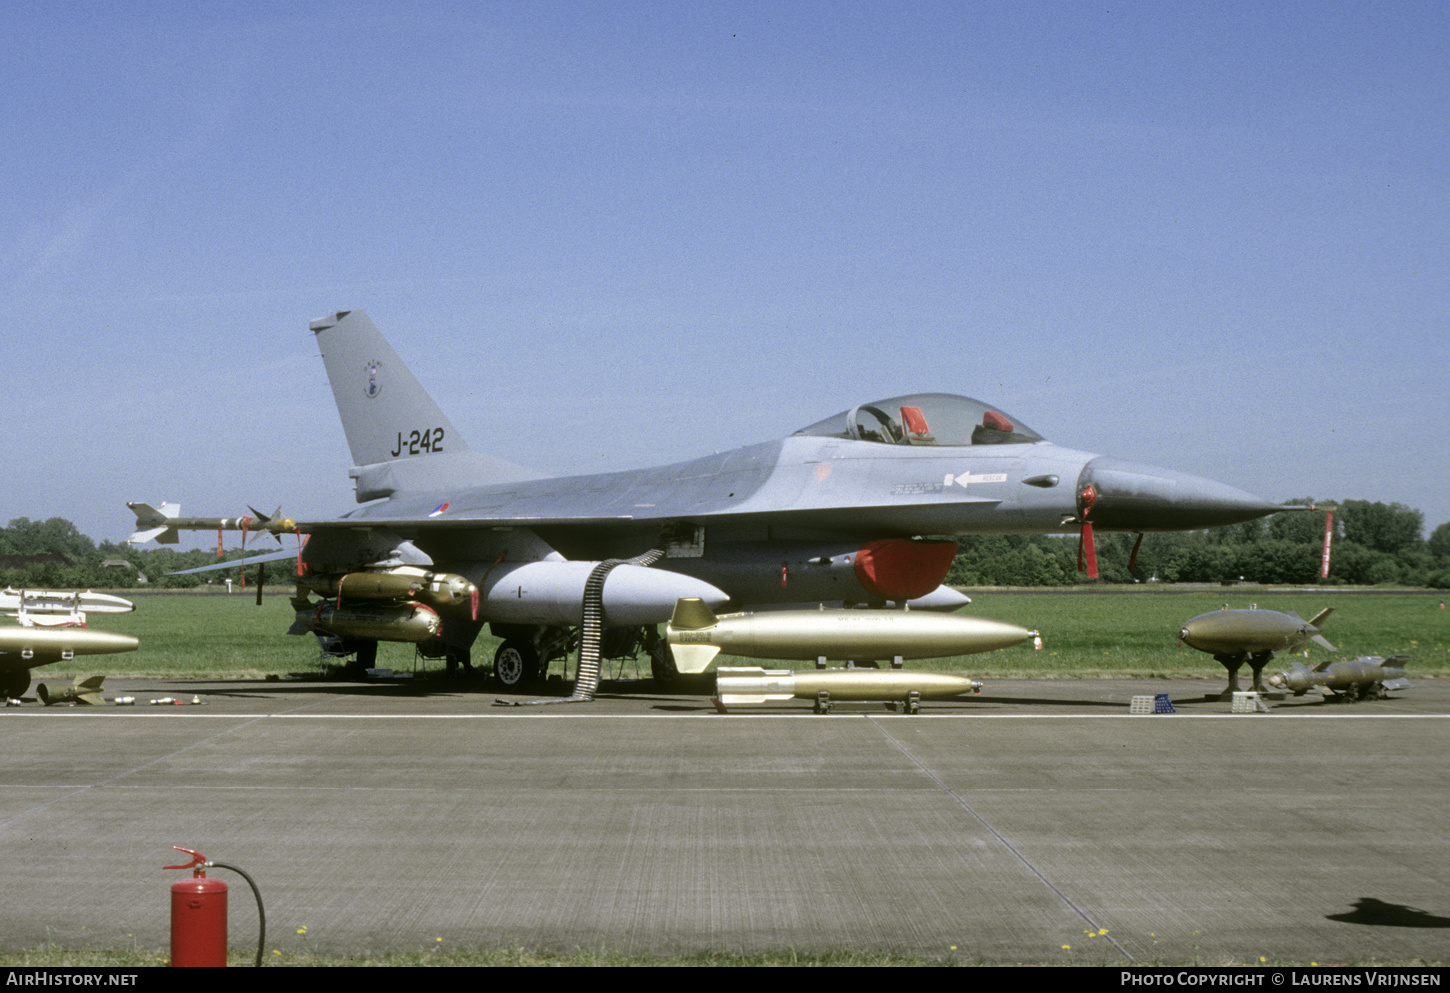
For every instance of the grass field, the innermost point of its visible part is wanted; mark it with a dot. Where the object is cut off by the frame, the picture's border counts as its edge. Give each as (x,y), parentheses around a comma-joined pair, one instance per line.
(59,958)
(1086,633)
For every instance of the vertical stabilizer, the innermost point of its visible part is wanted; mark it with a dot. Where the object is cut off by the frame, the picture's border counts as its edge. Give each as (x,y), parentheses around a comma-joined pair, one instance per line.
(384,409)
(400,439)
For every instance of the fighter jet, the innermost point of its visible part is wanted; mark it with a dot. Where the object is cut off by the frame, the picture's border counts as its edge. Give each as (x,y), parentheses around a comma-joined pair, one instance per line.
(855,509)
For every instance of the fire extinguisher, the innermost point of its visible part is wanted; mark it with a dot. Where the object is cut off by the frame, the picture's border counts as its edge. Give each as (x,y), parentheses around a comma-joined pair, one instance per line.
(199,914)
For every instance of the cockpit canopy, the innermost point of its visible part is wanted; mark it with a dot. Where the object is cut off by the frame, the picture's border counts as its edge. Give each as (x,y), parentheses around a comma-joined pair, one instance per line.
(926,419)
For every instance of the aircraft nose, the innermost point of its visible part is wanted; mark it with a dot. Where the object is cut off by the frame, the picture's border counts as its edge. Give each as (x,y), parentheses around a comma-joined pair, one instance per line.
(1133,496)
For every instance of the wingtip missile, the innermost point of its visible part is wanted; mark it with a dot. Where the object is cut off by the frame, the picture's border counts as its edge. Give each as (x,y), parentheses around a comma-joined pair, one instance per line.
(164,523)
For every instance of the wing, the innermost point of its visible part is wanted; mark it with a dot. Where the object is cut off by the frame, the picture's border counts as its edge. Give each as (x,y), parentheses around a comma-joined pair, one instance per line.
(276,556)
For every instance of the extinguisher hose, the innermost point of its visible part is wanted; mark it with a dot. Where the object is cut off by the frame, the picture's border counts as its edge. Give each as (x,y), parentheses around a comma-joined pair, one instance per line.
(261,913)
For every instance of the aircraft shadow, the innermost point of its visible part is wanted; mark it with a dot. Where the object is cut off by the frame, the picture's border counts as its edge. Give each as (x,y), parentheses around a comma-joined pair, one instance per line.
(642,690)
(1040,702)
(1368,910)
(299,685)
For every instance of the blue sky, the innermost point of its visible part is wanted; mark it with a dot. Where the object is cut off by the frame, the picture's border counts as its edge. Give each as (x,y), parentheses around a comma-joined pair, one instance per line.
(1210,236)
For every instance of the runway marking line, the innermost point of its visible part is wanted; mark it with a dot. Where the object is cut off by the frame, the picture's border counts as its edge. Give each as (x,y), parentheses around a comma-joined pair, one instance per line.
(794,715)
(1026,862)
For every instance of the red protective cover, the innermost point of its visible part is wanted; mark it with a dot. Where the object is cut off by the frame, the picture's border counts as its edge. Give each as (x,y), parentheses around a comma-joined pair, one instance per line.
(914,420)
(901,569)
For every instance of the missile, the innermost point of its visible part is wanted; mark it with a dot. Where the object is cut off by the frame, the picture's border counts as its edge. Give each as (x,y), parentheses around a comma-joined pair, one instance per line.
(382,622)
(163,523)
(1234,637)
(85,689)
(1355,678)
(1231,632)
(43,645)
(363,586)
(943,598)
(752,684)
(697,635)
(440,590)
(55,602)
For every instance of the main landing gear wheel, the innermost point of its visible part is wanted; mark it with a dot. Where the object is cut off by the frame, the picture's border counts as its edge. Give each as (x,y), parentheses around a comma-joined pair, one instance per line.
(515,663)
(14,683)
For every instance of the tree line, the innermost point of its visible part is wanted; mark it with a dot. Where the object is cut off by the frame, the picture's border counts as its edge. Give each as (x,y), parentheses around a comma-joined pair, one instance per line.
(1373,544)
(53,554)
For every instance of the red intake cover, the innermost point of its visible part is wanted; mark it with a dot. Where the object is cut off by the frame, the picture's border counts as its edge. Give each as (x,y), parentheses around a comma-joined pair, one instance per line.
(899,569)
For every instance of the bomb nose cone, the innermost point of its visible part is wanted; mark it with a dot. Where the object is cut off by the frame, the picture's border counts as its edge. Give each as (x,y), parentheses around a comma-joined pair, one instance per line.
(1194,633)
(1134,496)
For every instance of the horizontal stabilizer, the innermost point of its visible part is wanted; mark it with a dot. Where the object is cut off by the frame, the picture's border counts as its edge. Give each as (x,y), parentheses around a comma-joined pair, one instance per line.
(1318,639)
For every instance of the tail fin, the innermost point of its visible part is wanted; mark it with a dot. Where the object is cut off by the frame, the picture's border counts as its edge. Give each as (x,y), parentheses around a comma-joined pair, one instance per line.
(691,655)
(1316,621)
(151,523)
(400,439)
(691,614)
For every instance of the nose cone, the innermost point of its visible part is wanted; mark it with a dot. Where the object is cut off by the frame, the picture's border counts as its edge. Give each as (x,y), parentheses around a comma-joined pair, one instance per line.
(639,595)
(1133,496)
(1202,633)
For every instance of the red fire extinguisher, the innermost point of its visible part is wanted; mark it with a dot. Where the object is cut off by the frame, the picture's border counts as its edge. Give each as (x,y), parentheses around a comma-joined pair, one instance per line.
(199,914)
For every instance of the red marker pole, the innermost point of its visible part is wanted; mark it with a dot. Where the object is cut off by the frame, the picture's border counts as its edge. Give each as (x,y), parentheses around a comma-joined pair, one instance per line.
(1328,535)
(1087,554)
